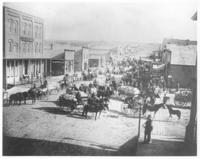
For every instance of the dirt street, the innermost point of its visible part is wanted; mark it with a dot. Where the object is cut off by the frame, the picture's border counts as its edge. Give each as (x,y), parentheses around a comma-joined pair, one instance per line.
(45,129)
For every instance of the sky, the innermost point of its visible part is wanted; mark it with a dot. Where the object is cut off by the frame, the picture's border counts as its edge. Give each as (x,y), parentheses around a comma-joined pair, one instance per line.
(135,21)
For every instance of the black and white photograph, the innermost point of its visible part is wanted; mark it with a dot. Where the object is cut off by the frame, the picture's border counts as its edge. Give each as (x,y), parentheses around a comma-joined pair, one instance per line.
(88,78)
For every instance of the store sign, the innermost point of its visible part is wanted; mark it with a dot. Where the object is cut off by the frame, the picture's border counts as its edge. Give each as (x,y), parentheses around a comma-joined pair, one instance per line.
(27,39)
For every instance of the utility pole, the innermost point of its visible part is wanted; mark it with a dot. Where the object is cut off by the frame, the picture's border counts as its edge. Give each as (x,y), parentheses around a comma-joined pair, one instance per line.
(139,120)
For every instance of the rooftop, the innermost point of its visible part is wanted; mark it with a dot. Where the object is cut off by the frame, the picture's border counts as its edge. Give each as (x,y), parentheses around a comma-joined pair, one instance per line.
(183,55)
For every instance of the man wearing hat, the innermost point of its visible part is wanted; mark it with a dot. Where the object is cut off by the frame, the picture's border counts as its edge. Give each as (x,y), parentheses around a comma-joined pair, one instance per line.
(148,128)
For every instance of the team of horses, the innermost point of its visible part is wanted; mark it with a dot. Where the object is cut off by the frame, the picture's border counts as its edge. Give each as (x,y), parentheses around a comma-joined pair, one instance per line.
(32,94)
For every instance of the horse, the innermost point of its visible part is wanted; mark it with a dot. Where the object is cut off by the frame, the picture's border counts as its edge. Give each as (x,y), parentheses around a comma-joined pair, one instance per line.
(155,107)
(33,92)
(17,98)
(173,112)
(96,107)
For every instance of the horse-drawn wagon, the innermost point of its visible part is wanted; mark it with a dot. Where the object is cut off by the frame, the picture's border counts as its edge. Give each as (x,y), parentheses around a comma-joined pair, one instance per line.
(131,99)
(183,98)
(71,101)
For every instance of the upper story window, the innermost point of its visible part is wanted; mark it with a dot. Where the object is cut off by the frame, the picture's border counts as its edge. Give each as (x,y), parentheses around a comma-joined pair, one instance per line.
(41,32)
(29,48)
(12,26)
(15,47)
(10,44)
(24,47)
(40,48)
(15,26)
(25,28)
(29,29)
(36,31)
(36,47)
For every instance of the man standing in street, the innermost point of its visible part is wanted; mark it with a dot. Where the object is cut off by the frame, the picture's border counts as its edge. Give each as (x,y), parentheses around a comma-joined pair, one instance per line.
(148,128)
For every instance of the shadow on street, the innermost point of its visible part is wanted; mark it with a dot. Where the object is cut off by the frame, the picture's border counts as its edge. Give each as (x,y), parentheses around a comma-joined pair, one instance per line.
(13,146)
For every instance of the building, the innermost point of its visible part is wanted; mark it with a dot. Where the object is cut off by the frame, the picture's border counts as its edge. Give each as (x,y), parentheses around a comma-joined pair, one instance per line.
(22,47)
(180,59)
(191,129)
(94,58)
(64,59)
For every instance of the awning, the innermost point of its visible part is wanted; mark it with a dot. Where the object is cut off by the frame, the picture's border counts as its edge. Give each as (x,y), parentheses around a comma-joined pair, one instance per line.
(158,67)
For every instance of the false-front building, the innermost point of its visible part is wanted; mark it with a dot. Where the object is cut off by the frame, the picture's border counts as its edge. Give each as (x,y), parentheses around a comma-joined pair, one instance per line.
(22,47)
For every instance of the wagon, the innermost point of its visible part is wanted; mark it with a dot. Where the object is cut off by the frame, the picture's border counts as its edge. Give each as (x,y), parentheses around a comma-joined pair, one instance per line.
(71,101)
(68,101)
(131,99)
(183,98)
(131,105)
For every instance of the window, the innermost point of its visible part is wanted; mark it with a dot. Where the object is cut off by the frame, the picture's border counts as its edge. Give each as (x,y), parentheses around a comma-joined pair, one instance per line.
(36,31)
(30,47)
(15,47)
(25,28)
(10,25)
(41,32)
(24,47)
(15,26)
(10,45)
(29,29)
(36,47)
(40,48)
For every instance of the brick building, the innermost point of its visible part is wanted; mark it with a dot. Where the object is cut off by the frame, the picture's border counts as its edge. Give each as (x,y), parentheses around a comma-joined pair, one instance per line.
(22,47)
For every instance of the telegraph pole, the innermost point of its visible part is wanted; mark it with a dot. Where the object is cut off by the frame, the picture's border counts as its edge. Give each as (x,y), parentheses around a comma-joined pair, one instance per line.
(139,120)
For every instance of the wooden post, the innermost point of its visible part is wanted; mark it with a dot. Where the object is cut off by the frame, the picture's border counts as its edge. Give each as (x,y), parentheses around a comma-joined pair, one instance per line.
(139,122)
(14,71)
(139,114)
(46,67)
(50,67)
(5,75)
